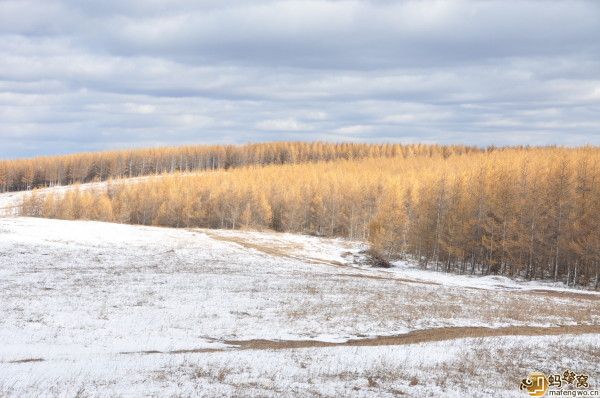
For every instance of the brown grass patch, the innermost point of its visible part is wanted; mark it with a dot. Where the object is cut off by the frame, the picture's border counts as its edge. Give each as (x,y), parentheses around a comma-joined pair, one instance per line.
(27,360)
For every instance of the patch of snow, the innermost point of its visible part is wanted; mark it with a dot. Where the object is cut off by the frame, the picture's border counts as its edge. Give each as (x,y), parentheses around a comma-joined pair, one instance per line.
(492,282)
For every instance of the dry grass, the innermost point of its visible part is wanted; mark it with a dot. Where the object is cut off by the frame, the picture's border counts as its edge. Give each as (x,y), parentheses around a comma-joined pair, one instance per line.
(407,306)
(490,366)
(27,360)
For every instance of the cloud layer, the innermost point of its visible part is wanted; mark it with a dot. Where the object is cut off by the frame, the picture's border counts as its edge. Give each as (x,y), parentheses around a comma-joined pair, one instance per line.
(85,75)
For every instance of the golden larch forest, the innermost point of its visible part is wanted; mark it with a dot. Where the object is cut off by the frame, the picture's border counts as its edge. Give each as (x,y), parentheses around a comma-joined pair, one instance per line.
(529,212)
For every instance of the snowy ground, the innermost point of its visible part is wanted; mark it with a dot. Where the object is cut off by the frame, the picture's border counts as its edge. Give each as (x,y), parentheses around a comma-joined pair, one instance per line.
(98,309)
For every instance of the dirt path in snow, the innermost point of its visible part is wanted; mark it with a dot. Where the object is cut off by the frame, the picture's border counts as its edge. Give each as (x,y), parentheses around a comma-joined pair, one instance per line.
(416,337)
(278,251)
(422,336)
(283,251)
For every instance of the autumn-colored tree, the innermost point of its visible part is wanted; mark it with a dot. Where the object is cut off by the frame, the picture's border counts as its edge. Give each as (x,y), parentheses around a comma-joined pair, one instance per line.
(23,174)
(531,212)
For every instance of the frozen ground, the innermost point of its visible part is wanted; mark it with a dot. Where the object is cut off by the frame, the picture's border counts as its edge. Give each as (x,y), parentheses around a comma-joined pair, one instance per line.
(98,309)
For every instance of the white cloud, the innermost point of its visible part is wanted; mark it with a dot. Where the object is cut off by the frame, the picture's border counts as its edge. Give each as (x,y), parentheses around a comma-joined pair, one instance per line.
(86,75)
(357,129)
(283,125)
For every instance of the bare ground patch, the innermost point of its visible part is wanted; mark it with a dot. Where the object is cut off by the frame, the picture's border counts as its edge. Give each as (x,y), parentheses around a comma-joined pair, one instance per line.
(422,336)
(415,337)
(279,250)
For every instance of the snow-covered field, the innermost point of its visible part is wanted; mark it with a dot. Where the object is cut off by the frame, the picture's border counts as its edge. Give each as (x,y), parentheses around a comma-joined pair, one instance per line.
(98,309)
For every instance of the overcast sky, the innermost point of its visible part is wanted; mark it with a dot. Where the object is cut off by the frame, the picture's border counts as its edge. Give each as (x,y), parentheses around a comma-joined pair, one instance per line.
(85,75)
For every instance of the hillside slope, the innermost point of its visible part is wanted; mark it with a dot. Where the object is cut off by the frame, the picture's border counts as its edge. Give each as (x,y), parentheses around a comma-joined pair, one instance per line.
(109,309)
(517,212)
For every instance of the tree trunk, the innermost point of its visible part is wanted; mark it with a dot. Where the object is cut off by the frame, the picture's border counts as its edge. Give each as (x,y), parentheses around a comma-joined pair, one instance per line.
(557,244)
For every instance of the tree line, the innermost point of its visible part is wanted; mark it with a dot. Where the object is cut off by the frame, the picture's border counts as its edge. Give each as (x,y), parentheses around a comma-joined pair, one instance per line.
(529,212)
(25,174)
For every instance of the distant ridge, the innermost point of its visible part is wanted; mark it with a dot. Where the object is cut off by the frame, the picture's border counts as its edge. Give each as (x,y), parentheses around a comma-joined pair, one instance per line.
(25,174)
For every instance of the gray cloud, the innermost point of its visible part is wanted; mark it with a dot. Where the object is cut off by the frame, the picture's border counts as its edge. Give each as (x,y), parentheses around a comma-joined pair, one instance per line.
(84,75)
